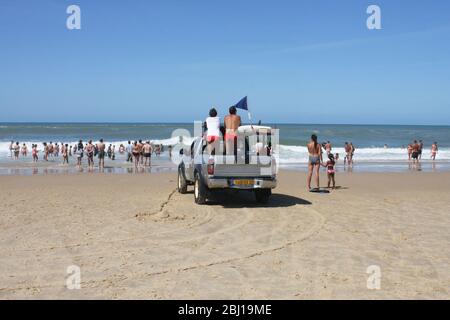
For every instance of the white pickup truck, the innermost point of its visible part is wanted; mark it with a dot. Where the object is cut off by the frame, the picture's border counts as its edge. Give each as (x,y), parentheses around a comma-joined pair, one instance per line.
(252,167)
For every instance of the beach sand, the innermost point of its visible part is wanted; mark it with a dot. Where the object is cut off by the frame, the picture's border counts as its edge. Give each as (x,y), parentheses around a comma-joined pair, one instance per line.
(134,236)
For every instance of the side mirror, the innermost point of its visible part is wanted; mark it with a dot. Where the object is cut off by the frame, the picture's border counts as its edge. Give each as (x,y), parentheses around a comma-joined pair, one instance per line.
(181,152)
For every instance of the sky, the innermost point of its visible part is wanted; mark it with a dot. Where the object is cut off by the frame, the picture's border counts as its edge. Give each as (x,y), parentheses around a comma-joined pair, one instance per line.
(170,61)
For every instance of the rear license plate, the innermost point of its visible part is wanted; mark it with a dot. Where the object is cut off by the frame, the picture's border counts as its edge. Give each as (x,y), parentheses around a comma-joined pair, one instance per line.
(242,182)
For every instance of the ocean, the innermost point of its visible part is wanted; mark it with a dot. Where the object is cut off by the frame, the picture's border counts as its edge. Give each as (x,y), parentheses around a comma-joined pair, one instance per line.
(370,141)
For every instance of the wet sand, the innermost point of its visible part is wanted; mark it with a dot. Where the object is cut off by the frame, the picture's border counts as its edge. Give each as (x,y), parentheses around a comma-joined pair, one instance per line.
(134,236)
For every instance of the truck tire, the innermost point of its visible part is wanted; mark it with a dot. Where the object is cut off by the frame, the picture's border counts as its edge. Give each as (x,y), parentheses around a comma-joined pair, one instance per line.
(262,195)
(182,183)
(200,190)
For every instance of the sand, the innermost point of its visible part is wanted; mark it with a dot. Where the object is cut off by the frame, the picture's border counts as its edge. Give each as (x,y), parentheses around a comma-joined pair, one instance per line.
(135,237)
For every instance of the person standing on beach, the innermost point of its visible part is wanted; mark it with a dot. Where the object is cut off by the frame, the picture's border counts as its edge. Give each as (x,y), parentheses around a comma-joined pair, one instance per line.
(136,153)
(330,170)
(24,150)
(410,148)
(90,153)
(45,151)
(11,149)
(315,158)
(231,122)
(347,149)
(434,150)
(50,149)
(16,151)
(101,154)
(34,152)
(79,152)
(129,150)
(65,153)
(420,149)
(141,154)
(56,151)
(147,150)
(352,153)
(415,151)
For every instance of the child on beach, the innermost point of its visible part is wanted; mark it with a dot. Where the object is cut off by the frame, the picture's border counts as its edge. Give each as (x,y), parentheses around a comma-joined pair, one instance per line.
(330,170)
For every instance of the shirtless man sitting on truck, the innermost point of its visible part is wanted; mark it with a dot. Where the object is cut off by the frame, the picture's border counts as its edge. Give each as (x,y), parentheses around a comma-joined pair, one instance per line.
(232,122)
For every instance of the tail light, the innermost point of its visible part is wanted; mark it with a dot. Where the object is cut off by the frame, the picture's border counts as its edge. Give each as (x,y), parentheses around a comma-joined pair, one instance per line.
(210,166)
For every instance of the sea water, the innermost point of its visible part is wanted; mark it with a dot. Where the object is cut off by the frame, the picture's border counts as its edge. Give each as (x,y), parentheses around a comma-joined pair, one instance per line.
(378,147)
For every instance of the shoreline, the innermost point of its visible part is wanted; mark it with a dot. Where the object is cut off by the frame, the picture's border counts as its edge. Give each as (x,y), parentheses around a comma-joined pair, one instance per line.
(164,165)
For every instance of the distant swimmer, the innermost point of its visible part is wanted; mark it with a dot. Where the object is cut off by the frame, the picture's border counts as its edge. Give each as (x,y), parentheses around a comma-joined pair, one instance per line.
(231,122)
(315,158)
(434,150)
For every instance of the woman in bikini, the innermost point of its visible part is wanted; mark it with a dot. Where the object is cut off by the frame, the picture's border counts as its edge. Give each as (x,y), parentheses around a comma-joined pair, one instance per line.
(434,150)
(24,150)
(90,153)
(231,123)
(136,153)
(315,158)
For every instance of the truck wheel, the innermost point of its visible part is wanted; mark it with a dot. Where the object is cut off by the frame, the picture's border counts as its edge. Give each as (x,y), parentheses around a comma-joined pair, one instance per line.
(262,195)
(182,184)
(200,190)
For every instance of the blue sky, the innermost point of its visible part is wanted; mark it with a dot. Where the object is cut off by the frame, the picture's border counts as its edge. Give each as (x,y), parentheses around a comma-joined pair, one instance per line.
(298,61)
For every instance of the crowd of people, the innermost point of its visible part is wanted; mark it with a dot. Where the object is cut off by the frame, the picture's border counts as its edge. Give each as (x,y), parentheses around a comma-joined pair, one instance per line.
(316,153)
(137,152)
(315,160)
(415,151)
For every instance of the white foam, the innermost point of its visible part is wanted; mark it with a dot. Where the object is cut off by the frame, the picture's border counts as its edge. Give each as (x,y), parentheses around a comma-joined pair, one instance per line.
(288,154)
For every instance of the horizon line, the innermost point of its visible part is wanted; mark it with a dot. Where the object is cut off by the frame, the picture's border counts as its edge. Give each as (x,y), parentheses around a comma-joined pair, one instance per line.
(181,122)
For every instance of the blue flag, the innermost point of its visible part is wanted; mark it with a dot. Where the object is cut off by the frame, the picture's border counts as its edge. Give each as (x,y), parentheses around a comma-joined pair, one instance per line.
(242,104)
